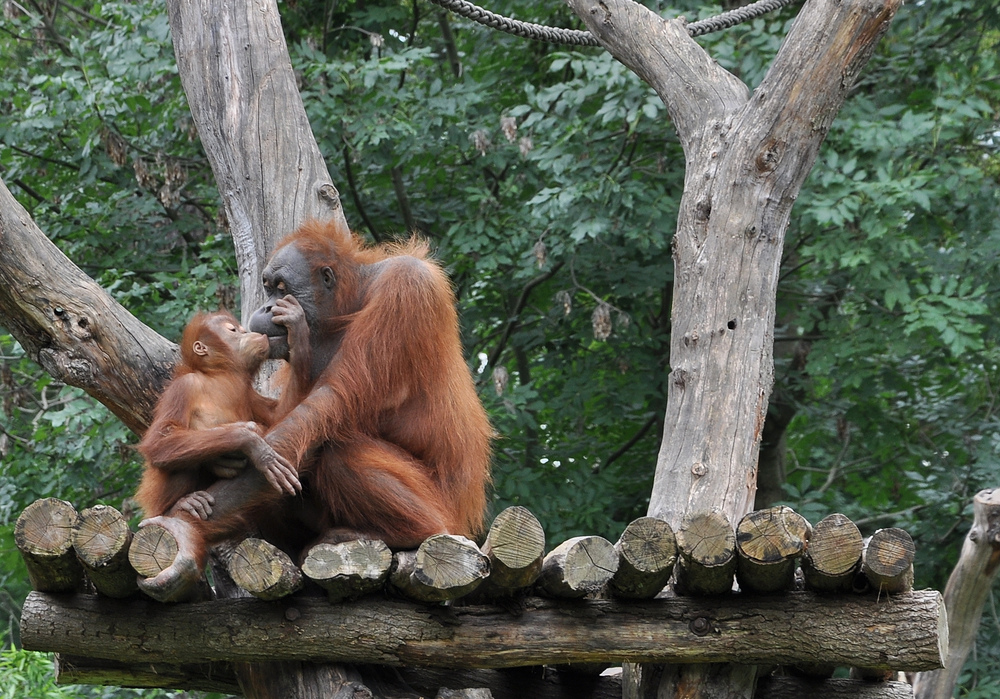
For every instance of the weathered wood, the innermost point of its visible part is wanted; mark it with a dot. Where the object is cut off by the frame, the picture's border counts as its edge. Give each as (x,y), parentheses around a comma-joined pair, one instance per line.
(905,632)
(968,587)
(264,570)
(444,567)
(578,567)
(402,682)
(887,560)
(445,693)
(43,534)
(201,677)
(350,569)
(73,328)
(833,556)
(768,544)
(152,551)
(746,159)
(706,544)
(304,680)
(647,551)
(101,541)
(237,75)
(797,688)
(515,547)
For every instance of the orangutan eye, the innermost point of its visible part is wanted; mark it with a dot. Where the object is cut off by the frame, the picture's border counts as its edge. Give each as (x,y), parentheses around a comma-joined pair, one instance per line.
(281,287)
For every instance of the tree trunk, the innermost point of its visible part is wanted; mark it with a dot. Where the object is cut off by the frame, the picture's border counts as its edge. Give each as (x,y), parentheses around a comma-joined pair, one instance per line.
(237,75)
(968,587)
(72,327)
(746,159)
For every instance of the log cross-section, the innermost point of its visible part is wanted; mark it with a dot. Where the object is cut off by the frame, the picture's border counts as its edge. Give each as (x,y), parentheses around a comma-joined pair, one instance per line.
(902,632)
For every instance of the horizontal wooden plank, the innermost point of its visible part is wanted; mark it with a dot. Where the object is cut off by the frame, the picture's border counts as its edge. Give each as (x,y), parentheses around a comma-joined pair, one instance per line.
(902,632)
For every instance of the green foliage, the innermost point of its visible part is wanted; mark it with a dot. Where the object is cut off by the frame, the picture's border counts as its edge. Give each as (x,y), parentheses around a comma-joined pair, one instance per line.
(28,675)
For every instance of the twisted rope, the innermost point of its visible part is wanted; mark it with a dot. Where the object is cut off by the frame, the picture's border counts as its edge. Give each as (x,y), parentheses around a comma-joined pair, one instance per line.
(576,37)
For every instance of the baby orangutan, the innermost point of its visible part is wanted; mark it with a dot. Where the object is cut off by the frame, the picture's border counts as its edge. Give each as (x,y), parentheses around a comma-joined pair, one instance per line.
(210,421)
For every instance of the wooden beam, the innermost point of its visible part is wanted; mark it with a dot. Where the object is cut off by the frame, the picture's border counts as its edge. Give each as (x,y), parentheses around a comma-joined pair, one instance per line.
(515,683)
(902,632)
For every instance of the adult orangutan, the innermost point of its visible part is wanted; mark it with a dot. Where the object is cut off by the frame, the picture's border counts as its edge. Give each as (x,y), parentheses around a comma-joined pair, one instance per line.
(391,441)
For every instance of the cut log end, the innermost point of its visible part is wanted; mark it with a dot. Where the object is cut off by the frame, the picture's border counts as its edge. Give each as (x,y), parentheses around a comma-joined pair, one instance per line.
(153,550)
(647,551)
(888,560)
(772,535)
(445,567)
(350,569)
(45,528)
(516,538)
(44,535)
(579,566)
(264,570)
(101,535)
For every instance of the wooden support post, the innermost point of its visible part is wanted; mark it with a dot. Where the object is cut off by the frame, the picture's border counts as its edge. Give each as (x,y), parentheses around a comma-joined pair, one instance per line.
(888,560)
(445,567)
(833,557)
(647,551)
(350,569)
(101,541)
(968,588)
(768,543)
(44,536)
(264,570)
(578,567)
(706,545)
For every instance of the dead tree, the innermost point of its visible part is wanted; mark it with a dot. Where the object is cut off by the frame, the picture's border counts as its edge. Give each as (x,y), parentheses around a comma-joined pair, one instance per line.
(747,156)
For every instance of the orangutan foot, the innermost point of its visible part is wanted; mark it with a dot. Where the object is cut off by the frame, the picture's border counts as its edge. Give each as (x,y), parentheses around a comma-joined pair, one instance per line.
(169,557)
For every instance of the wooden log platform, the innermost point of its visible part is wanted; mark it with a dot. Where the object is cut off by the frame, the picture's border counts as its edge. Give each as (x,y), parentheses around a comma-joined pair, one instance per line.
(905,632)
(834,555)
(512,683)
(43,534)
(350,569)
(647,551)
(768,544)
(101,541)
(706,544)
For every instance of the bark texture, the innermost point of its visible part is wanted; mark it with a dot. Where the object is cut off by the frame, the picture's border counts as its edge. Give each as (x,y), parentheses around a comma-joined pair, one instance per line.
(238,78)
(74,329)
(904,632)
(746,158)
(968,588)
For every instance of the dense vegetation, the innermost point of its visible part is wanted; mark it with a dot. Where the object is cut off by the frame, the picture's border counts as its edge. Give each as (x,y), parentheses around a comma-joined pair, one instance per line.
(547,181)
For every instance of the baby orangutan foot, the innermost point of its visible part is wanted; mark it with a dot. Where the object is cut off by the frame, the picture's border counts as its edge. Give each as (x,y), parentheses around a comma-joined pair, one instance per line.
(169,556)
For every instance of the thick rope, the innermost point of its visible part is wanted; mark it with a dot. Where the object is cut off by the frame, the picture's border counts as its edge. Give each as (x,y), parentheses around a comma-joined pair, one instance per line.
(576,37)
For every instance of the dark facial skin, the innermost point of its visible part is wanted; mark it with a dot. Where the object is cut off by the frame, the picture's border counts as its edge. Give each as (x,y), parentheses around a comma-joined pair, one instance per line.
(287,274)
